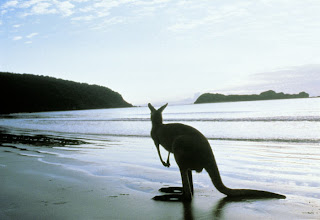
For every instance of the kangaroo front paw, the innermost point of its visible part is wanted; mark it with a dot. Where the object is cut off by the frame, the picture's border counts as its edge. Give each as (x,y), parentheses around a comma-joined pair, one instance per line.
(166,164)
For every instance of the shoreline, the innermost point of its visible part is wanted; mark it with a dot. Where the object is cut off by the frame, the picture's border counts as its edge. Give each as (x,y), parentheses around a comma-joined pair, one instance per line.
(41,185)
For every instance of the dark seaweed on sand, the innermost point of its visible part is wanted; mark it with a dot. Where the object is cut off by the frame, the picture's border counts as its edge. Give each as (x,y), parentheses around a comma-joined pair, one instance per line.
(38,140)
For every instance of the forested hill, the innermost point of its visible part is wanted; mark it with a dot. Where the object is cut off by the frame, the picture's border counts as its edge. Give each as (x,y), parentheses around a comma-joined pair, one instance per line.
(32,93)
(268,95)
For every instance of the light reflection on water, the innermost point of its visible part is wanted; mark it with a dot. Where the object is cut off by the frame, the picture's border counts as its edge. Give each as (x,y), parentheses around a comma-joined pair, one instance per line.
(294,120)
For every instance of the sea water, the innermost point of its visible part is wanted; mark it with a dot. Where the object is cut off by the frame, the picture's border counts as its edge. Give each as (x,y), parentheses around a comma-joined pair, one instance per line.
(291,120)
(272,145)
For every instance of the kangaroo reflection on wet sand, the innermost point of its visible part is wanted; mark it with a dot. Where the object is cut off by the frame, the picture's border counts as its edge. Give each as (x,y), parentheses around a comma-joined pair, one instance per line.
(219,210)
(191,151)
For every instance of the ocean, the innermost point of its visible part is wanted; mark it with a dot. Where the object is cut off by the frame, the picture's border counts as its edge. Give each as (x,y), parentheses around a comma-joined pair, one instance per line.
(271,145)
(286,121)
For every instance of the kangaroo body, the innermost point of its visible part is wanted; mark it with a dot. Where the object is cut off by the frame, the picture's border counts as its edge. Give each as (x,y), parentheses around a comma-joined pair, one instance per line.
(192,151)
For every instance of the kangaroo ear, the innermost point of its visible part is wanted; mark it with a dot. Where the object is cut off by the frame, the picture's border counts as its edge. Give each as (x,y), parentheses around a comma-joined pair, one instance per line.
(162,107)
(152,109)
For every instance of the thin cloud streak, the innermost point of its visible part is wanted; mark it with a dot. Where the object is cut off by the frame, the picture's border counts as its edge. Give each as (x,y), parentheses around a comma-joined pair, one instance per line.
(17,38)
(32,35)
(83,10)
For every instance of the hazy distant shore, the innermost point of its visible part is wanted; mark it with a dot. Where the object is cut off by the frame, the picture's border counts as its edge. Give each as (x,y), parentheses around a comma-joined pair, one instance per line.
(267,95)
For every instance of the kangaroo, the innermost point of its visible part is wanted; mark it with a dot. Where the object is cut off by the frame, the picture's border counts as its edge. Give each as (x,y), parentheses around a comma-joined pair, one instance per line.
(192,151)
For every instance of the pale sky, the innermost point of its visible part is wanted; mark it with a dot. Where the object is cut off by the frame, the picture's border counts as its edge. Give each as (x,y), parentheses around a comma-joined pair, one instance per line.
(166,50)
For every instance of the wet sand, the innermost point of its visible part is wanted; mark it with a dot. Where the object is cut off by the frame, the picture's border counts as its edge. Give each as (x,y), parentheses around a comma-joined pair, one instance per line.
(33,189)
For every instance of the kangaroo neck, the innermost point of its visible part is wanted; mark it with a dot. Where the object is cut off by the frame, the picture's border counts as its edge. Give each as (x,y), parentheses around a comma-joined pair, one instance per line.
(156,119)
(156,125)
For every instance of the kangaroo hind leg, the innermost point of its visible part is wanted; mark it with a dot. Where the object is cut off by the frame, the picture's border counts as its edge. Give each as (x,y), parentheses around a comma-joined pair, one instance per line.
(177,189)
(183,193)
(186,185)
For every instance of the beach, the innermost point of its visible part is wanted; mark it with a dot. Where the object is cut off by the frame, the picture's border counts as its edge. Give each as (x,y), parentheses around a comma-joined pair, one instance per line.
(102,164)
(46,184)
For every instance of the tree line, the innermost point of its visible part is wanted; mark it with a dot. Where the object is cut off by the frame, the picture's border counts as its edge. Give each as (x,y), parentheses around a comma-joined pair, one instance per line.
(267,95)
(33,93)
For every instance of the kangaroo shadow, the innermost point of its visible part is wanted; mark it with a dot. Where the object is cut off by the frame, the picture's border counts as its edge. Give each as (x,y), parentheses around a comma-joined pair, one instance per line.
(187,211)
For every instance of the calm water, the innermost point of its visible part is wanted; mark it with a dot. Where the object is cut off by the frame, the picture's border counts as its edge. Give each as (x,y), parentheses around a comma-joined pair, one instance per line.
(270,145)
(295,120)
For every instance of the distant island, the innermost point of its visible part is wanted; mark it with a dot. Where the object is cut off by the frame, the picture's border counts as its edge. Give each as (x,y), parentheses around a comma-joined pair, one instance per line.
(267,95)
(32,93)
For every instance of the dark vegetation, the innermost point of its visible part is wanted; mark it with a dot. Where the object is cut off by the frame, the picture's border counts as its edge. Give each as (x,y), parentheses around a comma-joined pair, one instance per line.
(32,93)
(268,95)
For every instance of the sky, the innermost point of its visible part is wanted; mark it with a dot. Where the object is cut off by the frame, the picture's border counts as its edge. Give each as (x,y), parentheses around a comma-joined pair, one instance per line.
(162,51)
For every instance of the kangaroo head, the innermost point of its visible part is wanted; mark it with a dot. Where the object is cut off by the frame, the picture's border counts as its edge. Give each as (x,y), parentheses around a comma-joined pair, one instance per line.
(156,115)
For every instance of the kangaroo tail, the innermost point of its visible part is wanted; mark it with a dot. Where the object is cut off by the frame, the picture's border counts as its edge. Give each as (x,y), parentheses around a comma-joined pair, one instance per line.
(214,174)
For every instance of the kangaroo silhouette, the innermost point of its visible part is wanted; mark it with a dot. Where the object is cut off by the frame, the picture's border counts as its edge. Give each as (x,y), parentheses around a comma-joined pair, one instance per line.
(192,151)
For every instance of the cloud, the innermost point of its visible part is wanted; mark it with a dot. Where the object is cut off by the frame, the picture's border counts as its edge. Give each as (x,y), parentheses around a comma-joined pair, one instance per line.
(80,0)
(103,12)
(41,8)
(290,80)
(264,19)
(65,8)
(27,4)
(83,18)
(29,36)
(32,35)
(17,38)
(9,4)
(205,18)
(106,13)
(108,22)
(206,14)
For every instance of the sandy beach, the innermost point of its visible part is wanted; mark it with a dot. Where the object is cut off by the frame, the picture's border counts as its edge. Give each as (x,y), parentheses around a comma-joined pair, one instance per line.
(42,183)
